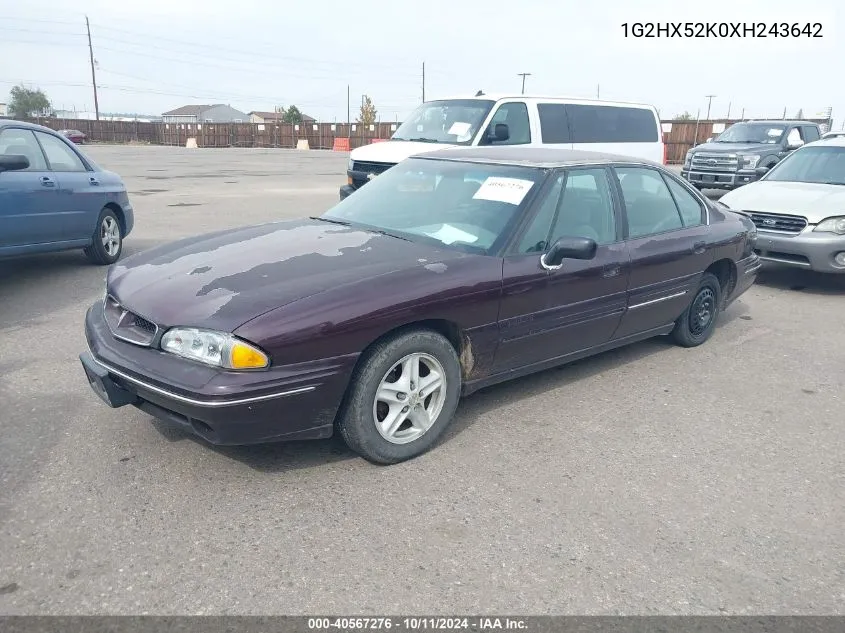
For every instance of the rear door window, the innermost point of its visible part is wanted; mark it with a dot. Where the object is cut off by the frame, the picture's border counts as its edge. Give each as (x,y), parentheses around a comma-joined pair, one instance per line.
(611,124)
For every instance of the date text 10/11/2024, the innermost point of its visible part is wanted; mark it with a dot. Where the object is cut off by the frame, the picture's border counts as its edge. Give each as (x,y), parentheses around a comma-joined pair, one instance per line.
(722,30)
(417,624)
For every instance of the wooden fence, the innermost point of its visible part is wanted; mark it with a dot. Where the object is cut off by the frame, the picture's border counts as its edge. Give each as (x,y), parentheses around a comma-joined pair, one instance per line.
(679,135)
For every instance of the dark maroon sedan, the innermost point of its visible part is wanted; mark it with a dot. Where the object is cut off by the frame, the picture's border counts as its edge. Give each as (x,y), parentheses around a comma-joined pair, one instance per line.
(74,136)
(449,272)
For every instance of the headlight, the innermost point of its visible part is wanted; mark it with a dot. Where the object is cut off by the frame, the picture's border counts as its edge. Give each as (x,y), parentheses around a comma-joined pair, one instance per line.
(213,348)
(831,225)
(349,165)
(749,161)
(688,157)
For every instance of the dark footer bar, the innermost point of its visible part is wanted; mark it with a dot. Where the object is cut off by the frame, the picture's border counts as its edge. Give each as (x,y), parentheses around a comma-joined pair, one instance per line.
(526,624)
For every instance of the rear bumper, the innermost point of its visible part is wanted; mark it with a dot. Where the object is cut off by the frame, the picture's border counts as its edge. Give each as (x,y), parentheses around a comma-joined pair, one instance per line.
(746,270)
(718,180)
(809,250)
(222,407)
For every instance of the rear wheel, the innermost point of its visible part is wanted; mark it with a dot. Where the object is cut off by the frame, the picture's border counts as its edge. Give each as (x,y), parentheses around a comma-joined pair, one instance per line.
(401,398)
(107,241)
(698,321)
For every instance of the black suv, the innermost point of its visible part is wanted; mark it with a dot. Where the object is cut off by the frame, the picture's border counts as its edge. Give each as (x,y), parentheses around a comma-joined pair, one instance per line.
(744,152)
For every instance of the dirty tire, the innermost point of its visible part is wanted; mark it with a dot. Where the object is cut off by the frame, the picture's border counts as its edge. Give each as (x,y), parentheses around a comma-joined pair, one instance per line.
(101,252)
(359,414)
(698,321)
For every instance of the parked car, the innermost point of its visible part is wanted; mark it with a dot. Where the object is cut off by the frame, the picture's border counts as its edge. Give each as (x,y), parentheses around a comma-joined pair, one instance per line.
(630,129)
(504,261)
(834,134)
(53,197)
(731,159)
(799,208)
(74,136)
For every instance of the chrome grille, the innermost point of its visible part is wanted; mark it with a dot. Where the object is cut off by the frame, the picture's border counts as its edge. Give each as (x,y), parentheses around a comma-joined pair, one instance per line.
(705,161)
(126,325)
(777,222)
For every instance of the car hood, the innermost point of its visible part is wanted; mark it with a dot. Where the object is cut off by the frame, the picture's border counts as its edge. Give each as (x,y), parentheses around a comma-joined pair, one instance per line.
(732,148)
(222,280)
(814,201)
(394,151)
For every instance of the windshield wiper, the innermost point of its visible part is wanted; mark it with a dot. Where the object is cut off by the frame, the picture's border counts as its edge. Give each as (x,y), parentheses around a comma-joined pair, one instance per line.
(423,139)
(833,182)
(388,234)
(333,221)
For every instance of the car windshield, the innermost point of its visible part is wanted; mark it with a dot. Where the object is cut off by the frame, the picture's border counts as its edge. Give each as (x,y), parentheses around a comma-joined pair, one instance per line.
(449,121)
(812,164)
(752,133)
(463,206)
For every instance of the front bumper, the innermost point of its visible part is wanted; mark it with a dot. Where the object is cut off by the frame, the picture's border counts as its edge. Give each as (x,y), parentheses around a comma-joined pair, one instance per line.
(346,191)
(809,249)
(718,180)
(222,407)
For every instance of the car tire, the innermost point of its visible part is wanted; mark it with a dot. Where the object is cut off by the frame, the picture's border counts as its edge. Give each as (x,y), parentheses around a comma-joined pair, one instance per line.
(384,418)
(107,241)
(698,321)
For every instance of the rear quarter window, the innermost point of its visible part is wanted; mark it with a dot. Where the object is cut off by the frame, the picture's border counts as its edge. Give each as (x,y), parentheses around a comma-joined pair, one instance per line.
(611,124)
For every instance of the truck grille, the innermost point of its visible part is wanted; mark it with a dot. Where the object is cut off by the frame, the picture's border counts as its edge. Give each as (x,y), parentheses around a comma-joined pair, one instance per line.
(367,167)
(126,325)
(704,161)
(776,222)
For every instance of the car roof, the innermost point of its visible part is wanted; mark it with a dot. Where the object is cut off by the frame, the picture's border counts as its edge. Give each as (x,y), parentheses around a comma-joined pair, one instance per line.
(779,122)
(532,97)
(539,157)
(24,124)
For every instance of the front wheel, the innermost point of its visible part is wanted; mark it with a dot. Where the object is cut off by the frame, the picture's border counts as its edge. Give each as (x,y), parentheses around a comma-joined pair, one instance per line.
(401,398)
(107,241)
(698,321)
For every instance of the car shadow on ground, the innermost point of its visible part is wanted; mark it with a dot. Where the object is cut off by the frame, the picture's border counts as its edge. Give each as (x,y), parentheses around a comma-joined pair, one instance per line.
(34,286)
(800,280)
(285,456)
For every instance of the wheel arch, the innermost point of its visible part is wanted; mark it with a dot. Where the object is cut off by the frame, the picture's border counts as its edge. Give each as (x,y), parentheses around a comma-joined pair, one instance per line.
(726,272)
(115,208)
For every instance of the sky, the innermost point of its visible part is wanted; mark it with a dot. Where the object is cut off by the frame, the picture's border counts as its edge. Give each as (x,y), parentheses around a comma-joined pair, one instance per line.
(157,55)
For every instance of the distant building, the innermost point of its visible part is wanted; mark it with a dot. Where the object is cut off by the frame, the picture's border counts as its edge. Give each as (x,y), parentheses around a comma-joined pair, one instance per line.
(216,113)
(2,109)
(275,117)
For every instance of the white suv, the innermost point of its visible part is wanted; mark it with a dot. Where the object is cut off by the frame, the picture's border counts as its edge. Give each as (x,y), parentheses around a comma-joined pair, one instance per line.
(627,129)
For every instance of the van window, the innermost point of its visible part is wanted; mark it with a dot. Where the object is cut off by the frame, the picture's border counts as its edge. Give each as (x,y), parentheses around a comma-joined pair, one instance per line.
(553,125)
(611,124)
(515,116)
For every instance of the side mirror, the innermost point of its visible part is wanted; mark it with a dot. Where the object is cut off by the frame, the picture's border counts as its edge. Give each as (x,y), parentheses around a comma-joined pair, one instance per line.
(499,132)
(762,171)
(13,162)
(794,144)
(568,248)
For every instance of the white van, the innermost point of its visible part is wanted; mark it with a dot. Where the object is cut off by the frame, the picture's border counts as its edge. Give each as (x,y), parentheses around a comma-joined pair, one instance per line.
(628,129)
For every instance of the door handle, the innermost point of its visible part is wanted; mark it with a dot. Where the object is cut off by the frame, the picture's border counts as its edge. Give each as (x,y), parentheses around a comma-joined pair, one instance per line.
(611,270)
(46,181)
(94,182)
(699,247)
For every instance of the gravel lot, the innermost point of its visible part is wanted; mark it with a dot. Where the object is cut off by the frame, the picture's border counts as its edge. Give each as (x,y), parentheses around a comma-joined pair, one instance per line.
(648,480)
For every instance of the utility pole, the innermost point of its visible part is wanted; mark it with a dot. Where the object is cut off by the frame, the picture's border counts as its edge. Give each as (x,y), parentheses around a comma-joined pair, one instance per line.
(93,74)
(709,101)
(348,114)
(523,75)
(729,111)
(742,116)
(598,91)
(423,83)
